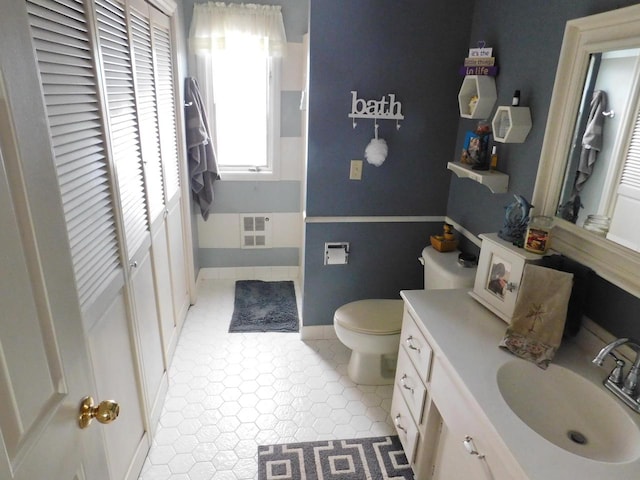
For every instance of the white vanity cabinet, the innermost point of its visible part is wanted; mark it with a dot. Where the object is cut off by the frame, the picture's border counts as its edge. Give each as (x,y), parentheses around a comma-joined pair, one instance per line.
(416,419)
(443,431)
(467,445)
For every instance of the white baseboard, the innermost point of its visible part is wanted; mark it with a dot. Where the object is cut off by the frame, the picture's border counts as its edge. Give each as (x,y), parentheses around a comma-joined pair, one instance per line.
(249,273)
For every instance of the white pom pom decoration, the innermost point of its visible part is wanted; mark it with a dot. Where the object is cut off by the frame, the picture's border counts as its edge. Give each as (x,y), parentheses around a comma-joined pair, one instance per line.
(376,151)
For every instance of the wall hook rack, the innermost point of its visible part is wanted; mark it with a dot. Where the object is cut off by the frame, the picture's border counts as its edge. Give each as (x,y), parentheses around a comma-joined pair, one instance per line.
(387,108)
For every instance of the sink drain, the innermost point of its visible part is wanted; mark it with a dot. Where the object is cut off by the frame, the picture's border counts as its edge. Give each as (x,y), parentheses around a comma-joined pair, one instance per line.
(577,437)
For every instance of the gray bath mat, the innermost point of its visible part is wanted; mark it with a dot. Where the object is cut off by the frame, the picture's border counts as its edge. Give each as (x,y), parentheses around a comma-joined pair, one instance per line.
(376,458)
(264,307)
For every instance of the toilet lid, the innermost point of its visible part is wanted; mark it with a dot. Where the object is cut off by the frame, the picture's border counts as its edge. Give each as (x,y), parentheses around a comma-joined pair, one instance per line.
(374,316)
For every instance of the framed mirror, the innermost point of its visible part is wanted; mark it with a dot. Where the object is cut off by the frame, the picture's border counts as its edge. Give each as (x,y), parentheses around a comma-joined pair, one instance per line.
(596,94)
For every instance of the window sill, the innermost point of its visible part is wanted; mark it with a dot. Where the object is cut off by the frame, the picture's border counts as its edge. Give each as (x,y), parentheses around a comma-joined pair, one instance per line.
(250,176)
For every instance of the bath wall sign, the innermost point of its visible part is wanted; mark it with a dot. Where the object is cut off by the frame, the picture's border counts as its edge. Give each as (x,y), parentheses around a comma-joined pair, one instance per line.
(385,108)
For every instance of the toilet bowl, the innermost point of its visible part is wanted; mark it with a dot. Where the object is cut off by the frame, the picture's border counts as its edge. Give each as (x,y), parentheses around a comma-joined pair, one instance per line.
(371,328)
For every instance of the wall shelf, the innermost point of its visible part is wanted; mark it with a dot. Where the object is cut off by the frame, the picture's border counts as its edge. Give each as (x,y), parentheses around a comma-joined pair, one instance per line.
(497,182)
(481,86)
(517,124)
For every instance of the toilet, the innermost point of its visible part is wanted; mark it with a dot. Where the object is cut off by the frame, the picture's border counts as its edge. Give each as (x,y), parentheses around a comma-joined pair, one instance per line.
(371,328)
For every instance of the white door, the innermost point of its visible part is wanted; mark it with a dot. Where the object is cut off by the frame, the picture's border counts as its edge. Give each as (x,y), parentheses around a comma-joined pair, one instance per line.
(44,361)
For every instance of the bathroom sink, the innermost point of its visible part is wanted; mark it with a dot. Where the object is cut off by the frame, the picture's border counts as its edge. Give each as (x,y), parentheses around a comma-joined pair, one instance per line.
(570,411)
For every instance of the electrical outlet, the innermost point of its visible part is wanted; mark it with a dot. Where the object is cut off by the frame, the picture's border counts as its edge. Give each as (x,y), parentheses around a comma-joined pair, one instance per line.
(355,172)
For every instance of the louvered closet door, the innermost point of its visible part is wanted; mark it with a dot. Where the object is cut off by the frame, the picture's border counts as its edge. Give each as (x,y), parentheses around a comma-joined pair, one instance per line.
(123,125)
(147,107)
(163,57)
(161,36)
(625,221)
(64,54)
(65,43)
(125,147)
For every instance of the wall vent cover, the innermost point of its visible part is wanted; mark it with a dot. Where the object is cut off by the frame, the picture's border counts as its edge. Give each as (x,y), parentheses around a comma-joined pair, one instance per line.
(255,230)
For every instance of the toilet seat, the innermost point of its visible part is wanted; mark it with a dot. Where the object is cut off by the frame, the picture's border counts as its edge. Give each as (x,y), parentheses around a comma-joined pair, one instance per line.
(372,316)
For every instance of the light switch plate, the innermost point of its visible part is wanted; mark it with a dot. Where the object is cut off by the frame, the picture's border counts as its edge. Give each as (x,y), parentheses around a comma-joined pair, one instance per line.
(355,172)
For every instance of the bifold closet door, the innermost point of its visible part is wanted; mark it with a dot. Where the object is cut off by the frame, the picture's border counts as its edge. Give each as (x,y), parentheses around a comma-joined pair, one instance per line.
(167,104)
(124,142)
(65,41)
(154,73)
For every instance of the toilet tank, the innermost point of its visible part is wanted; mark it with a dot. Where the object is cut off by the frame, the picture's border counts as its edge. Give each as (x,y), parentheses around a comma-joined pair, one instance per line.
(442,270)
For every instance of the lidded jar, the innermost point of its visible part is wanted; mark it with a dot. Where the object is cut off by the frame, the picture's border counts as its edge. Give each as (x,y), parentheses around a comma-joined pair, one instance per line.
(598,224)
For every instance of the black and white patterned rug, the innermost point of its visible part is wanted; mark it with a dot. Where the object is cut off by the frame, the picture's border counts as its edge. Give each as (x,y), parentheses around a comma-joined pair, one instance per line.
(378,458)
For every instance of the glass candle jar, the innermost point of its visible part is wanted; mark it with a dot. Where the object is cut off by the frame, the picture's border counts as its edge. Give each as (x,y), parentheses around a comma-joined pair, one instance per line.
(598,224)
(538,234)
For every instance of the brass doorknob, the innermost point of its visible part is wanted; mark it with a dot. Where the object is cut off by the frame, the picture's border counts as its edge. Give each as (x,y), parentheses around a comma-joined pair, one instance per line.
(105,412)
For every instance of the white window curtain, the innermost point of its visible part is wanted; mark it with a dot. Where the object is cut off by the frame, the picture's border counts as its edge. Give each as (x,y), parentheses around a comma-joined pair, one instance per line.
(216,24)
(217,27)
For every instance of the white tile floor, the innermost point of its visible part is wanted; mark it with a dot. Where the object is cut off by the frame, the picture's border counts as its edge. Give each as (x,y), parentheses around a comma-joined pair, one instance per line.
(230,392)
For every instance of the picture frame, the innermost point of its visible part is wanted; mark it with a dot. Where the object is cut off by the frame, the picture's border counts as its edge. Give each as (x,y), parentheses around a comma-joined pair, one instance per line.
(500,269)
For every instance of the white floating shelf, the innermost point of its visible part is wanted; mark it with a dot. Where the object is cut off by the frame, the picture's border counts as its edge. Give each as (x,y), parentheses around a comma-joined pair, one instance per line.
(481,86)
(495,181)
(518,121)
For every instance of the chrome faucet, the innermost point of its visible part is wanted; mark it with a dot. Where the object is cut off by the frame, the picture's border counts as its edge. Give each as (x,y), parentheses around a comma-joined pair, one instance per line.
(625,388)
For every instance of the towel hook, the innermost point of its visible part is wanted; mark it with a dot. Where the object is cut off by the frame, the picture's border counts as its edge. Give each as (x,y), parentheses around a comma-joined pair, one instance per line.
(609,114)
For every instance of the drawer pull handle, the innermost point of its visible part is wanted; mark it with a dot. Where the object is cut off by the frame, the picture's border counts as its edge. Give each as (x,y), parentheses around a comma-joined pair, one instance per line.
(398,426)
(411,345)
(471,447)
(404,385)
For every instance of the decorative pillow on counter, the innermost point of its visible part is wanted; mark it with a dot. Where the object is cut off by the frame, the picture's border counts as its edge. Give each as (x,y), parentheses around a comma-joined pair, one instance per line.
(539,316)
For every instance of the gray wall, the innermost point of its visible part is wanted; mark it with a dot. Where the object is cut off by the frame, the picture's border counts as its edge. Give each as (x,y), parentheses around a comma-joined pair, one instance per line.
(527,36)
(377,47)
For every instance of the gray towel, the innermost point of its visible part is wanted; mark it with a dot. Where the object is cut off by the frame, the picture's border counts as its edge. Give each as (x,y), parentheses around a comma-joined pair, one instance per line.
(592,139)
(203,167)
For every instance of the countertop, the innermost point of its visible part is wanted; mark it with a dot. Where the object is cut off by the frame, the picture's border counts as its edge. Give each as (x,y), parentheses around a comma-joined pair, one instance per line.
(467,335)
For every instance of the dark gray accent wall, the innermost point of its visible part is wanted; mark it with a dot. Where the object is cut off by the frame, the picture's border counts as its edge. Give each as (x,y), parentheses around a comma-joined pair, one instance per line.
(526,36)
(377,47)
(383,260)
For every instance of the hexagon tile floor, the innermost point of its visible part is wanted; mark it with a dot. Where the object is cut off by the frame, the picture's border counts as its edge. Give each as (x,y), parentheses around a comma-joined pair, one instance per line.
(230,392)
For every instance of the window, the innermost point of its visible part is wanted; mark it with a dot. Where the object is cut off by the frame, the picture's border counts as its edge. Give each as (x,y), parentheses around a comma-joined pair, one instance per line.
(246,111)
(237,48)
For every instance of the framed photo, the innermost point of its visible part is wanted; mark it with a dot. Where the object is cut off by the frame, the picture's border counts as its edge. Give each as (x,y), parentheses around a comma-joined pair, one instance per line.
(500,269)
(498,277)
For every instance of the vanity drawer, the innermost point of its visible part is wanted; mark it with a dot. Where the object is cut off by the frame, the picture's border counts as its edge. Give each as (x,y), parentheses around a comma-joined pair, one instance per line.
(405,426)
(409,383)
(416,346)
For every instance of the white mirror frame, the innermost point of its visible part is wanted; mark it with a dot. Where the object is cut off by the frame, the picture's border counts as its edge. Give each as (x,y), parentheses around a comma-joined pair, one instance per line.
(617,29)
